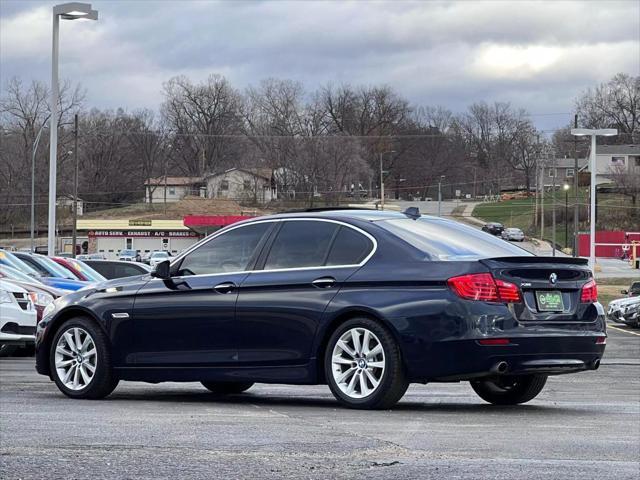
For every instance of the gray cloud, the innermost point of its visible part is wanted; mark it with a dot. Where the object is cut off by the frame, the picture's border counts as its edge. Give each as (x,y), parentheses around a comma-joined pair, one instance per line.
(538,55)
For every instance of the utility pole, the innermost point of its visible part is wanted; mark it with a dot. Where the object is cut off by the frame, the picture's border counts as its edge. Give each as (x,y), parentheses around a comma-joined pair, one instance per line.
(576,206)
(382,179)
(381,184)
(440,194)
(535,199)
(165,185)
(75,188)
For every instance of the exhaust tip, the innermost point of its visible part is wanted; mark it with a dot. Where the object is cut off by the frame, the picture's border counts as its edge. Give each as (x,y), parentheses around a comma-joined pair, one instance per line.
(595,364)
(500,368)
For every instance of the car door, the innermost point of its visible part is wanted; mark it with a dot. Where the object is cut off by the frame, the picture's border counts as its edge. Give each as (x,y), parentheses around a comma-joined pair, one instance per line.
(188,319)
(282,302)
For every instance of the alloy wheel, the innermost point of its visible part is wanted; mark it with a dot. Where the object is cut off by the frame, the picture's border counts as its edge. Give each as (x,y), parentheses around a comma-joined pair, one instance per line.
(76,358)
(358,362)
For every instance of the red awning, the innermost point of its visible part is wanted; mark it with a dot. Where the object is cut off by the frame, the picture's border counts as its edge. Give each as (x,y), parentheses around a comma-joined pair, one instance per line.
(203,221)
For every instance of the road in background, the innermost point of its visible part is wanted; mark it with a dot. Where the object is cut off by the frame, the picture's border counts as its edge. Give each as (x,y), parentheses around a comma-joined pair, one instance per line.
(581,426)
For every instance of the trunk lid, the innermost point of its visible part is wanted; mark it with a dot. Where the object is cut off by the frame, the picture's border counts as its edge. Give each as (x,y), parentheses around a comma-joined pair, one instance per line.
(550,287)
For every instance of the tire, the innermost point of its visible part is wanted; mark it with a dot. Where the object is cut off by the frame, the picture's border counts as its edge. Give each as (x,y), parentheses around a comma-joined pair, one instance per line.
(7,350)
(225,388)
(509,390)
(99,384)
(351,371)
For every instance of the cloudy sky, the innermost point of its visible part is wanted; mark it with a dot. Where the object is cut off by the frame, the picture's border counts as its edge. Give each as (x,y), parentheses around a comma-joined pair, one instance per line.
(535,54)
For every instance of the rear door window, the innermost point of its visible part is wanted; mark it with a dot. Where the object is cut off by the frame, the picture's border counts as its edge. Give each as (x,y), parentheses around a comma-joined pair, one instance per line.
(301,243)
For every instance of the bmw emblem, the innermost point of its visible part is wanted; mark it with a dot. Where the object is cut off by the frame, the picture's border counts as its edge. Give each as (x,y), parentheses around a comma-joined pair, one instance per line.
(553,278)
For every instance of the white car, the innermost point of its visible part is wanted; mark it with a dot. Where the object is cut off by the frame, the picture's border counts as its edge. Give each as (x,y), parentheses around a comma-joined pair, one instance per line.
(514,234)
(625,310)
(158,257)
(18,318)
(129,255)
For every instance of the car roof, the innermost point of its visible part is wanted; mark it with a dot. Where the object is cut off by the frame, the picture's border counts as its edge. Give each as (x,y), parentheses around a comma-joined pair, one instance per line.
(344,214)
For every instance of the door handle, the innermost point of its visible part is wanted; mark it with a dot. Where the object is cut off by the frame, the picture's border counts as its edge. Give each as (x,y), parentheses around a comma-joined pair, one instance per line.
(324,282)
(226,287)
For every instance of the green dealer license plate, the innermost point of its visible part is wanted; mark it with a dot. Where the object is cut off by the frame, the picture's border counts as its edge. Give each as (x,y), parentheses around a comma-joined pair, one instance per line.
(550,301)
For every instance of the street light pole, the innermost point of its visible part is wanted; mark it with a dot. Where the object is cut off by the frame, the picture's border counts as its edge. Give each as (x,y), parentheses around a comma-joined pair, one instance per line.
(75,187)
(66,11)
(605,132)
(576,206)
(553,212)
(33,184)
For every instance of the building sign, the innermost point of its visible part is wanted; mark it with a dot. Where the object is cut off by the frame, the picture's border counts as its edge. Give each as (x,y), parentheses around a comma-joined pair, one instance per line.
(139,223)
(143,233)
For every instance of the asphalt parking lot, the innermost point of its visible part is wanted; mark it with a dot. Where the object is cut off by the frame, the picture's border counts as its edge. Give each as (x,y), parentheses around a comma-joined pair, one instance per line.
(584,426)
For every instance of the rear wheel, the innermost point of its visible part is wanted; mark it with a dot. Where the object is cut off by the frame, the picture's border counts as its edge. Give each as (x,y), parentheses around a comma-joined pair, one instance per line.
(223,388)
(509,390)
(363,365)
(80,360)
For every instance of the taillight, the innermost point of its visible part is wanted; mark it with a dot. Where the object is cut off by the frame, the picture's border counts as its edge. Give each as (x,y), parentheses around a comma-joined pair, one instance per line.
(508,292)
(483,287)
(589,292)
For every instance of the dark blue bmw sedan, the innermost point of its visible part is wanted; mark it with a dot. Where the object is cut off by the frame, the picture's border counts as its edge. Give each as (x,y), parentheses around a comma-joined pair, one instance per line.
(364,301)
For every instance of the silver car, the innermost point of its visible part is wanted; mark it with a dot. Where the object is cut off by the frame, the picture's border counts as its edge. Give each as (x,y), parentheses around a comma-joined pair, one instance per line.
(513,234)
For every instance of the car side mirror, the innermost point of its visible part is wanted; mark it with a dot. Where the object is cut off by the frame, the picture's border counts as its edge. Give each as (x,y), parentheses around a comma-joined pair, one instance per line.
(624,292)
(162,270)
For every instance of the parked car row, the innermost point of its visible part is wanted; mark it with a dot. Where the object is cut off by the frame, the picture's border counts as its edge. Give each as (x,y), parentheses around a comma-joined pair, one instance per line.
(511,234)
(29,282)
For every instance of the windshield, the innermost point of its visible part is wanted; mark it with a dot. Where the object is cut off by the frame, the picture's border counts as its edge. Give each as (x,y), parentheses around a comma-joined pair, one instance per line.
(159,254)
(11,260)
(447,240)
(13,274)
(55,269)
(128,252)
(87,271)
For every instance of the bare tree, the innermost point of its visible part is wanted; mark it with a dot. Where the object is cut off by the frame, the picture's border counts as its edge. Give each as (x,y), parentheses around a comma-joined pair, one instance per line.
(202,120)
(614,104)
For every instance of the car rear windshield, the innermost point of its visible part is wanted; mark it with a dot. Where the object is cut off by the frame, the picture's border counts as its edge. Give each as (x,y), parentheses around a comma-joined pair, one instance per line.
(446,240)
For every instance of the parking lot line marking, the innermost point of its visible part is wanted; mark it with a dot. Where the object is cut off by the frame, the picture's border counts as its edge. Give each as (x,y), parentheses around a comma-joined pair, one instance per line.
(624,331)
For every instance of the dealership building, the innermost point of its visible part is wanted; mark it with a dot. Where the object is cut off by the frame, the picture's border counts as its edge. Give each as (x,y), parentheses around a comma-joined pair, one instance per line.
(111,236)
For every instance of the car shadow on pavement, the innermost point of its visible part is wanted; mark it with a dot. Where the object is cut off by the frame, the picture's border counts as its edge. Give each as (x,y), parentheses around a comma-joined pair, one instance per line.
(330,403)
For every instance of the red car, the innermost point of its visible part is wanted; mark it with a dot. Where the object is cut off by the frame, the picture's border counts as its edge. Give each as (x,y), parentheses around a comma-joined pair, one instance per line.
(80,269)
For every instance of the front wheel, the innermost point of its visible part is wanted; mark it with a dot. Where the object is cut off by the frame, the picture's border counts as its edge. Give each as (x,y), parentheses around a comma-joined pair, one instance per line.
(80,360)
(363,365)
(509,390)
(224,388)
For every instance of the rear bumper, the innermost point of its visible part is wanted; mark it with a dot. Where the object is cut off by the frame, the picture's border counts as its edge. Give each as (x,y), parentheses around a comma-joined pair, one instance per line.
(548,355)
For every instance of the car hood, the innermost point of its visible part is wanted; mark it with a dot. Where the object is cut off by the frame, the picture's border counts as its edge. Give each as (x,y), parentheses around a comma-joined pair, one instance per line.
(64,283)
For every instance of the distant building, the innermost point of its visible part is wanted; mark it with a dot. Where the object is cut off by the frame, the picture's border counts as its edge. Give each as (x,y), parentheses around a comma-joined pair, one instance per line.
(613,159)
(565,171)
(242,184)
(177,188)
(66,202)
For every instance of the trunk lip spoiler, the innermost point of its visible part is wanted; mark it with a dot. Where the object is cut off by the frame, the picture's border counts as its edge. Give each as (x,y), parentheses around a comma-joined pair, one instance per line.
(578,261)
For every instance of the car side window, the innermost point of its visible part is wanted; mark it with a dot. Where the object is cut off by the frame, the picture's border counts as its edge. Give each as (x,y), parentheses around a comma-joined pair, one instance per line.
(301,243)
(229,252)
(349,248)
(130,271)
